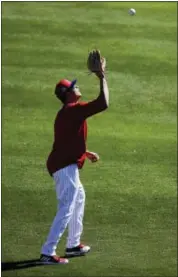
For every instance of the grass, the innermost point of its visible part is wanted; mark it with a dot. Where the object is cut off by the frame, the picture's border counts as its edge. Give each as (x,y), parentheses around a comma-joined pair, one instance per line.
(131,209)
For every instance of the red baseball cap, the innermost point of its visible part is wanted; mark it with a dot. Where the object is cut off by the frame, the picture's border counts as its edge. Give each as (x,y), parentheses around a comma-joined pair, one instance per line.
(66,83)
(62,87)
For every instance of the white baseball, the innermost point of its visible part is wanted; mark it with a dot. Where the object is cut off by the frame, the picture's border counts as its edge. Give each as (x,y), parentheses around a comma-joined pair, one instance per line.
(132,11)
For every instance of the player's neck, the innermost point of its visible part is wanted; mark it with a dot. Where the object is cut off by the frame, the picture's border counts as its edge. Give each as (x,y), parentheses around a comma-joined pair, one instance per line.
(72,100)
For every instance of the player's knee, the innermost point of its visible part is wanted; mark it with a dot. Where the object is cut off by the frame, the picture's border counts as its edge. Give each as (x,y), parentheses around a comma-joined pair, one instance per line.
(82,195)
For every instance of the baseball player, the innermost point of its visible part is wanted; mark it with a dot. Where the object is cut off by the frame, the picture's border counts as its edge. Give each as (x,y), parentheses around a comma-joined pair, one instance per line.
(67,157)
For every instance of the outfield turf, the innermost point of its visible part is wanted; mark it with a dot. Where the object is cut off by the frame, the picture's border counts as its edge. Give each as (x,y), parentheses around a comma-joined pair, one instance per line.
(130,218)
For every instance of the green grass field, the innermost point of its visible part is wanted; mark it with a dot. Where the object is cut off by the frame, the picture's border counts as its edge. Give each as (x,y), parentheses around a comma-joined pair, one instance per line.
(130,218)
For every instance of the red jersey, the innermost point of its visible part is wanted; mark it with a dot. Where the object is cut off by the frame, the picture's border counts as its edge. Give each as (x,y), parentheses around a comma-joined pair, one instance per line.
(70,134)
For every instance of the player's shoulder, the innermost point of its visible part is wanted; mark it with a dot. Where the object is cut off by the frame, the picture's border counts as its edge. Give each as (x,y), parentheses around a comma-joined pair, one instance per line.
(77,104)
(82,103)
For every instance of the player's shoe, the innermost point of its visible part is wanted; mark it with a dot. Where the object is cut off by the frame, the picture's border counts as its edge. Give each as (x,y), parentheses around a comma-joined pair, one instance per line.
(50,260)
(79,250)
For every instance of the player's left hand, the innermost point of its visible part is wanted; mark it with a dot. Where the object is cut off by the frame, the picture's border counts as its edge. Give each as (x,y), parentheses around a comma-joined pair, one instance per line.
(96,63)
(93,157)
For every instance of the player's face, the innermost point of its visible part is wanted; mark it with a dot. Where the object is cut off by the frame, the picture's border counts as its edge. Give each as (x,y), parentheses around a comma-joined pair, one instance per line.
(74,94)
(76,91)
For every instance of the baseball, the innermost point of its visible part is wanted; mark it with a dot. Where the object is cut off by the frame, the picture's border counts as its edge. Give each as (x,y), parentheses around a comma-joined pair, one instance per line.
(132,11)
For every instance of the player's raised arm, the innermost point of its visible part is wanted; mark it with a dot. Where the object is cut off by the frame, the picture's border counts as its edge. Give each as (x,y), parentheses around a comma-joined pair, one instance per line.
(96,64)
(104,91)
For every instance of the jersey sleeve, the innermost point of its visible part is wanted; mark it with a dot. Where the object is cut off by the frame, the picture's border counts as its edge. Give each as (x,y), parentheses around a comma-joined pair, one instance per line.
(87,109)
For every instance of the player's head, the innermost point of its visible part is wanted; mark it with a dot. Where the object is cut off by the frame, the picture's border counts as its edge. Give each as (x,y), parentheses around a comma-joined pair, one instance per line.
(67,91)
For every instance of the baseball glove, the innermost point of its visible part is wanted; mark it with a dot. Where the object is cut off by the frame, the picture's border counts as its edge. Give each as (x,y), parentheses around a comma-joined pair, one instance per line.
(96,63)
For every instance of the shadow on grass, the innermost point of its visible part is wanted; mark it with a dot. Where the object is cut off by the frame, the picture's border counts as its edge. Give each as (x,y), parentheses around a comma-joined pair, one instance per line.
(6,266)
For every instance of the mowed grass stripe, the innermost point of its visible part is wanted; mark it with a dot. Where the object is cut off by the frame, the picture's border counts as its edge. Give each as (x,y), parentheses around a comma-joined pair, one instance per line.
(131,94)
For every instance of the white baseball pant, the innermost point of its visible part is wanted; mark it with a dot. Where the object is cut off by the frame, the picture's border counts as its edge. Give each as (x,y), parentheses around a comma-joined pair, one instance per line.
(71,201)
